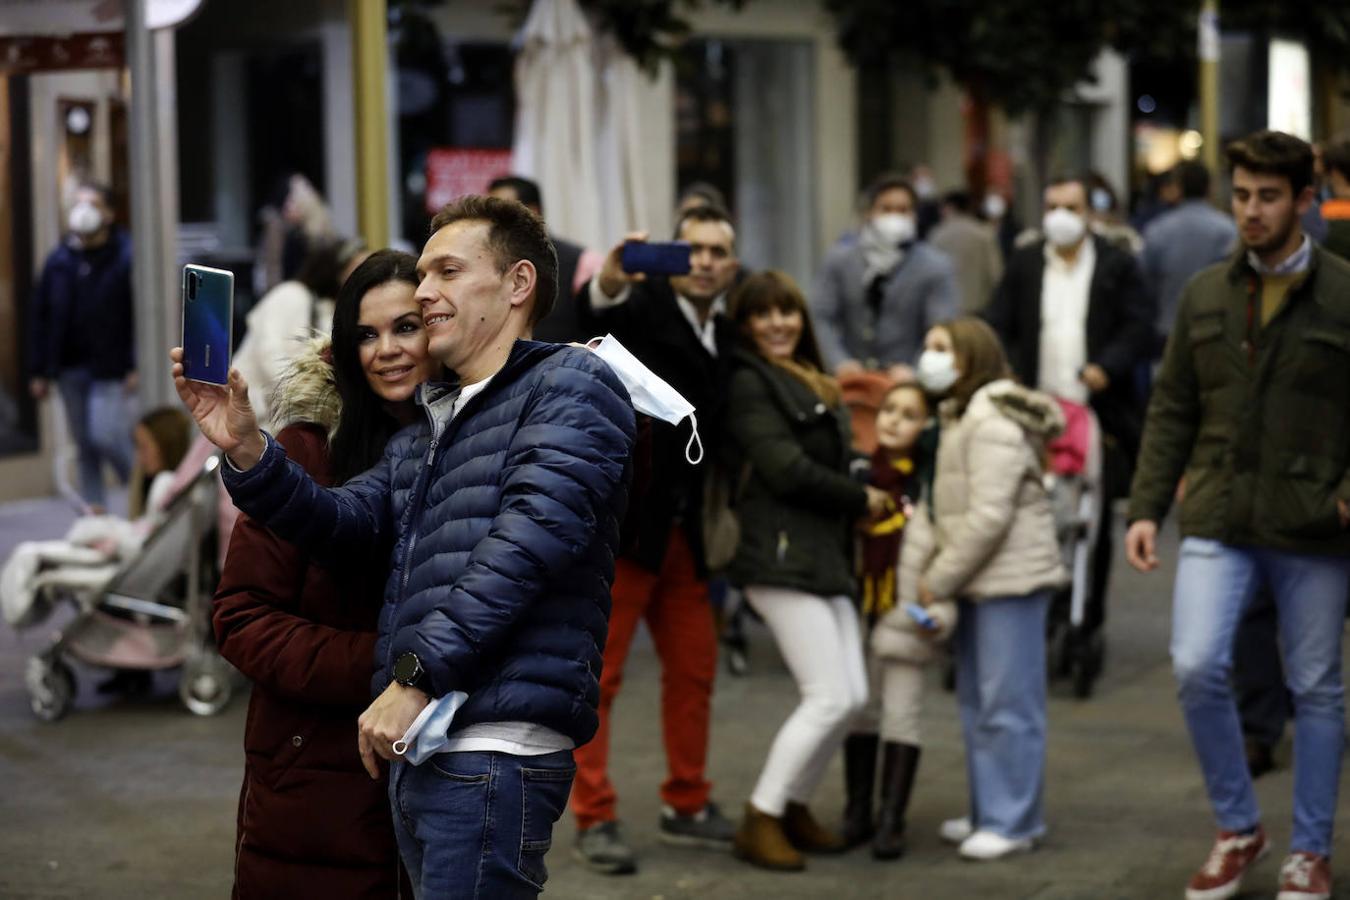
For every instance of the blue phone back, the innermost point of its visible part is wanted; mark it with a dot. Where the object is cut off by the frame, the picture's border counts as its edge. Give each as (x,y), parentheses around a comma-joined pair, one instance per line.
(662,258)
(208,318)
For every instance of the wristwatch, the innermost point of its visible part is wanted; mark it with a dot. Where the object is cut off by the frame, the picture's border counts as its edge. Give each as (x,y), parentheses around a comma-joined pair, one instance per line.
(408,670)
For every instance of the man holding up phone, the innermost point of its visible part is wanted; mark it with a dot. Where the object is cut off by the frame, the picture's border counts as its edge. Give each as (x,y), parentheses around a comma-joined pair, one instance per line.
(677,326)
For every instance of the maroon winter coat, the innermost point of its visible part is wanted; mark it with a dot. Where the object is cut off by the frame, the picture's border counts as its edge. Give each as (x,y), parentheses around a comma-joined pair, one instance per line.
(311,822)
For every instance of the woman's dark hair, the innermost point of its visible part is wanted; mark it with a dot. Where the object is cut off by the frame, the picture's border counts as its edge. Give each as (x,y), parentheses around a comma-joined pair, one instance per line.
(365,426)
(321,271)
(772,289)
(979,356)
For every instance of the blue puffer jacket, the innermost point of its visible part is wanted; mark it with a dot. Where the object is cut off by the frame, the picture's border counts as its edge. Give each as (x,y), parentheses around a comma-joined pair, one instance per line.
(507,528)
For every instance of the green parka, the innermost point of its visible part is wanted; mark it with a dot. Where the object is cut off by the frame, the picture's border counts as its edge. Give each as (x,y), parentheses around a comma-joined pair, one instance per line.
(799,504)
(1256,418)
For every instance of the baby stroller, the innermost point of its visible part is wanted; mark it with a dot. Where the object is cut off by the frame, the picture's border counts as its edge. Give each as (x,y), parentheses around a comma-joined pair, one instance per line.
(1074,481)
(150,611)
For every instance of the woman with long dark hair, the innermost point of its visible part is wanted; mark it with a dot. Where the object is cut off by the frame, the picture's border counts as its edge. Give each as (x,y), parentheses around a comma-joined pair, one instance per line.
(794,561)
(311,821)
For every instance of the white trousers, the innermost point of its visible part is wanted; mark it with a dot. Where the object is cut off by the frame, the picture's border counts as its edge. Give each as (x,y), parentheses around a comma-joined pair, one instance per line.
(821,644)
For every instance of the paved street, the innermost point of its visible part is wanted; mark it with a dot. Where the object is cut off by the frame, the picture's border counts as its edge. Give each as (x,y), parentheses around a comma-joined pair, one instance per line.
(135,799)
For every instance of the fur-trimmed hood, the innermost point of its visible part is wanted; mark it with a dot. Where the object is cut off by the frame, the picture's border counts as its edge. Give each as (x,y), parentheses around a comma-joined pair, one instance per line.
(1036,412)
(306,390)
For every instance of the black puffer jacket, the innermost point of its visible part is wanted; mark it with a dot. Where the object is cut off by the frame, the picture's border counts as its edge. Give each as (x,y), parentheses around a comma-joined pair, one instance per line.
(799,504)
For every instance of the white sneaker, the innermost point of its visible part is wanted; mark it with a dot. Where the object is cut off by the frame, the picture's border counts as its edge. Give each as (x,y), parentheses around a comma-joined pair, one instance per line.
(986,845)
(954,831)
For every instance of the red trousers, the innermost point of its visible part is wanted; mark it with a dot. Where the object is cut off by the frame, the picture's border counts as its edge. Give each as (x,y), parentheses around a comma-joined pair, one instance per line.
(675,604)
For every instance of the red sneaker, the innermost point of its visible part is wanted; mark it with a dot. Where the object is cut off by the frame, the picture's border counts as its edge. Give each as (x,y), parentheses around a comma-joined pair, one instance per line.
(1305,876)
(1221,875)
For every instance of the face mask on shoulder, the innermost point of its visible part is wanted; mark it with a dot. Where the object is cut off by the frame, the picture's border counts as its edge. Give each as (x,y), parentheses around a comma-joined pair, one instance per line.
(651,394)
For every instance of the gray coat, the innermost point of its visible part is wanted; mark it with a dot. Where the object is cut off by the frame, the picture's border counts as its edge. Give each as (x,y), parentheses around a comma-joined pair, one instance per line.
(920,293)
(1178,244)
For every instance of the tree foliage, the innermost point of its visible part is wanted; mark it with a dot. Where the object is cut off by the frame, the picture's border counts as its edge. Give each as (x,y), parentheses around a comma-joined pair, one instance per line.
(1025,54)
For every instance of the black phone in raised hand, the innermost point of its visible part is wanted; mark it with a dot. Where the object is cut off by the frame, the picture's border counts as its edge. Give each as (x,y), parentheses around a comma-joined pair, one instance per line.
(660,258)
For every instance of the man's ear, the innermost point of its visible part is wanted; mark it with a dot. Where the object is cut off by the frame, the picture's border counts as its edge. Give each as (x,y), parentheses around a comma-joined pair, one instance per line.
(522,279)
(1304,201)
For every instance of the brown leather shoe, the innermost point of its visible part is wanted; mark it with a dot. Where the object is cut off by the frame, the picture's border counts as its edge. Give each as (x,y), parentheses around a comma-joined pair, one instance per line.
(808,835)
(761,841)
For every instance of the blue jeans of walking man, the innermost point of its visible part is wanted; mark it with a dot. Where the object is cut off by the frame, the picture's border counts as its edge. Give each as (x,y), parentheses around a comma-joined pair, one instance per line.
(97,411)
(1215,583)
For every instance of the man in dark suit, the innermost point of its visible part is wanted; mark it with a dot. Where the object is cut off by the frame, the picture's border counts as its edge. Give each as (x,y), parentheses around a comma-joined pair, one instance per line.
(676,326)
(1077,320)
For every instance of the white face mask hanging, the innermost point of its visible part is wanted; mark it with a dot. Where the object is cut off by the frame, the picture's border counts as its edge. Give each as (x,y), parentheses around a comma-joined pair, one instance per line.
(651,395)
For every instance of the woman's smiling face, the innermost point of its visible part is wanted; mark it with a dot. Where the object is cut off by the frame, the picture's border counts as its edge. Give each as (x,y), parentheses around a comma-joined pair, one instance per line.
(391,342)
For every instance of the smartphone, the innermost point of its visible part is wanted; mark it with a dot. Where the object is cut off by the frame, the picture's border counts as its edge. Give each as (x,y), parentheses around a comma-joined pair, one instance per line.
(208,323)
(660,258)
(920,615)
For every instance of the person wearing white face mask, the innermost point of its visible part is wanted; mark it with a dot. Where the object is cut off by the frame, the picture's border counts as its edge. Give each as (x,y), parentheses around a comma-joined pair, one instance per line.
(1077,321)
(874,298)
(993,549)
(81,333)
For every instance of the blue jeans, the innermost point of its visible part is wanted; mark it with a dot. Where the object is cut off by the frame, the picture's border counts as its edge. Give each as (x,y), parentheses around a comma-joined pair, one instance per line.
(1000,688)
(100,424)
(1215,583)
(477,825)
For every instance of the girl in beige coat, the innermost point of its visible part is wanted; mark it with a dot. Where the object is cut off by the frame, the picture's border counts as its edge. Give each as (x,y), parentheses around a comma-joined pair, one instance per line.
(985,541)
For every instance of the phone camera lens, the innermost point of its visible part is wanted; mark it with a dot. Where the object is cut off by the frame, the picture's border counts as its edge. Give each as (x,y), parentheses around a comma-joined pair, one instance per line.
(192,285)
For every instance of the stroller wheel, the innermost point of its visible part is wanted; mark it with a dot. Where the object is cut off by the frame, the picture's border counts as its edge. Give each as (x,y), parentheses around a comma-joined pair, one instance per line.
(1087,664)
(51,687)
(205,686)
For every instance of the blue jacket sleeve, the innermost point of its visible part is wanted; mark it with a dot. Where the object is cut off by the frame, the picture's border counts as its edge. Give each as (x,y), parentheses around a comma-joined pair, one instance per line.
(326,523)
(562,487)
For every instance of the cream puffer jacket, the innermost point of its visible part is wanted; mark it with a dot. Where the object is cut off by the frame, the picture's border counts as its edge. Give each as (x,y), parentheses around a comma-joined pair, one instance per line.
(994,532)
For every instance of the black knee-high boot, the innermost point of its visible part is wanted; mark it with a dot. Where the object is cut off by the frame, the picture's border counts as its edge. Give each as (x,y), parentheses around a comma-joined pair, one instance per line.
(860,767)
(898,764)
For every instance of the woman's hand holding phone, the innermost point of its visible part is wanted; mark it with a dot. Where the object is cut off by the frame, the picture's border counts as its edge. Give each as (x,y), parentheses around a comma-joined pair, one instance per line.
(222,413)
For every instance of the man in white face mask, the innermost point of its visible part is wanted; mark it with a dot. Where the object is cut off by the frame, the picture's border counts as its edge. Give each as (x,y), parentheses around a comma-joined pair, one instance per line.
(81,331)
(875,298)
(1077,321)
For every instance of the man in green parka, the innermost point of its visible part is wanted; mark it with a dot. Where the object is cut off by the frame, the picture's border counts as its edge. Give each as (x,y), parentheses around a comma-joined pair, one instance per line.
(1252,407)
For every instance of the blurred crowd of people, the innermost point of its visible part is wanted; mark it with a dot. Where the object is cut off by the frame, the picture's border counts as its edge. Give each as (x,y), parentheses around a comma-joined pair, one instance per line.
(869,468)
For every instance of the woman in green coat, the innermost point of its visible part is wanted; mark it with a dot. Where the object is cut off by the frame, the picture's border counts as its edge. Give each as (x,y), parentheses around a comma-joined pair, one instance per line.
(797,510)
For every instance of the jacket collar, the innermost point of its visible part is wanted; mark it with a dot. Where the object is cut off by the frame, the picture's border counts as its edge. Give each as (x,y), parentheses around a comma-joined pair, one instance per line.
(1240,268)
(523,355)
(795,398)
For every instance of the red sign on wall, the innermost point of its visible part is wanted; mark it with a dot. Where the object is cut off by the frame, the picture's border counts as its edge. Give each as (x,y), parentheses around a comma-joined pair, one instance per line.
(453,172)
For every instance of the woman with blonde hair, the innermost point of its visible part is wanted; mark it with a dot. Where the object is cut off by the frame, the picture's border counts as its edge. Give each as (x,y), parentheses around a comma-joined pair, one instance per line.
(794,561)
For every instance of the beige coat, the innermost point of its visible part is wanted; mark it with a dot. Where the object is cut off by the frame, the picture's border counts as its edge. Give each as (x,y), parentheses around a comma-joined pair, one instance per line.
(993,527)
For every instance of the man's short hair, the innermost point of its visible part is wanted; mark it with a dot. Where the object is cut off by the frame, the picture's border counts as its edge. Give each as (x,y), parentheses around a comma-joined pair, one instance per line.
(514,233)
(1274,153)
(958,200)
(1336,154)
(104,192)
(1193,179)
(706,193)
(706,214)
(1083,181)
(526,191)
(889,181)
